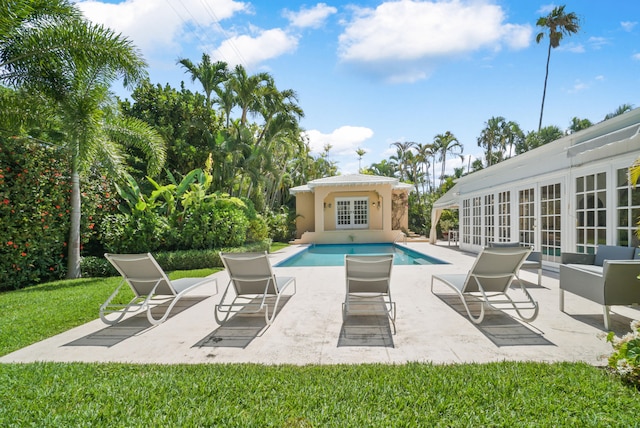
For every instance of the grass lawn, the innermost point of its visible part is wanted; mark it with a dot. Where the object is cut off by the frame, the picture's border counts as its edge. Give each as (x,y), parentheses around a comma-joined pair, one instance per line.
(77,394)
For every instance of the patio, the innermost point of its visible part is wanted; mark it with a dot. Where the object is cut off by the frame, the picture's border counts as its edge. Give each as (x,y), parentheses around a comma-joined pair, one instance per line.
(309,328)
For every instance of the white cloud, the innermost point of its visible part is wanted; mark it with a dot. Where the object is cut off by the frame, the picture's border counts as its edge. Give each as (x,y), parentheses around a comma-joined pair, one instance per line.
(313,17)
(628,25)
(636,56)
(546,9)
(152,25)
(249,51)
(598,42)
(406,39)
(344,140)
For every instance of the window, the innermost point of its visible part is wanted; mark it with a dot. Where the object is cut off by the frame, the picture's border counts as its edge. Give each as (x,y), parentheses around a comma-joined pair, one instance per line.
(628,210)
(591,212)
(550,220)
(476,230)
(488,219)
(504,216)
(352,213)
(526,216)
(466,221)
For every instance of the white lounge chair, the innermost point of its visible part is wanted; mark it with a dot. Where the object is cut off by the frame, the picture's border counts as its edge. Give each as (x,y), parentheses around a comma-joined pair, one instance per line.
(368,279)
(253,281)
(149,284)
(493,272)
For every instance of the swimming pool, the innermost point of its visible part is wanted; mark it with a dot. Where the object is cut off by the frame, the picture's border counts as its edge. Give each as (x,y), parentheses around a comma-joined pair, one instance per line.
(333,255)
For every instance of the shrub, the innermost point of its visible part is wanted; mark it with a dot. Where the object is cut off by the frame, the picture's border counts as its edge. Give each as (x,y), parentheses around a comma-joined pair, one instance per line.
(138,232)
(625,359)
(175,260)
(34,193)
(282,225)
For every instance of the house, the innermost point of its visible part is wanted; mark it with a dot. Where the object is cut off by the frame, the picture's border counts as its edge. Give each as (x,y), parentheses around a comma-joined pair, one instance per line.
(351,208)
(569,195)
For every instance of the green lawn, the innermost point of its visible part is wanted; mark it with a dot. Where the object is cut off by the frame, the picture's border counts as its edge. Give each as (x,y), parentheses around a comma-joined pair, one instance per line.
(244,395)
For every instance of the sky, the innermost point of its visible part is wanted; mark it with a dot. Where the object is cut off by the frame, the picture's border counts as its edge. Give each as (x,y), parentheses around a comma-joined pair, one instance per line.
(371,73)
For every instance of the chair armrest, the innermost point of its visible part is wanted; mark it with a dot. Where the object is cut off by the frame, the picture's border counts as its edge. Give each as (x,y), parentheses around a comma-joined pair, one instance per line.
(577,258)
(621,283)
(535,256)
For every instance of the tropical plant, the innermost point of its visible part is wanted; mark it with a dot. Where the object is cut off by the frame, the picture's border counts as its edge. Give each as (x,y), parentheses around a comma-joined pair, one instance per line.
(558,24)
(403,148)
(493,138)
(578,124)
(360,152)
(78,90)
(210,75)
(625,359)
(620,110)
(445,144)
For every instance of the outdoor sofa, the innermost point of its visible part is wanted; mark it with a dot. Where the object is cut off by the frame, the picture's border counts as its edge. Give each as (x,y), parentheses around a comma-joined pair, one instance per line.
(608,277)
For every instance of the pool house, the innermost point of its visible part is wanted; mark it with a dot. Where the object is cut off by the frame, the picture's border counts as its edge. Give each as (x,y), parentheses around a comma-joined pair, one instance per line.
(351,208)
(569,195)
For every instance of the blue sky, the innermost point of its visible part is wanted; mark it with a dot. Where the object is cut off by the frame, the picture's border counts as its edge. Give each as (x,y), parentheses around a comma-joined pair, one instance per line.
(371,73)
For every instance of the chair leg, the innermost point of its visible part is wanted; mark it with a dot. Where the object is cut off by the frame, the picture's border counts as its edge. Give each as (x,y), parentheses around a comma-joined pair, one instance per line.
(540,277)
(561,300)
(607,320)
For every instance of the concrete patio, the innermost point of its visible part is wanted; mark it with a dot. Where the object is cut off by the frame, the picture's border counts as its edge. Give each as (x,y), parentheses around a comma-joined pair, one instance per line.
(309,328)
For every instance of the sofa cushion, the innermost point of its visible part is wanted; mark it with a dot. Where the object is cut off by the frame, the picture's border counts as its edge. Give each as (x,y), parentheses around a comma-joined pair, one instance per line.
(612,252)
(636,255)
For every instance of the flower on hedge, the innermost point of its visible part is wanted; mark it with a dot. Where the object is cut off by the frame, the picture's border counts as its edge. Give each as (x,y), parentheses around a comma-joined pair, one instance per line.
(23,254)
(625,359)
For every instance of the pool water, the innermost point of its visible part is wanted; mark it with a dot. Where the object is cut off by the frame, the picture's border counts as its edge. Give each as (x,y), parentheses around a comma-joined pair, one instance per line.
(333,255)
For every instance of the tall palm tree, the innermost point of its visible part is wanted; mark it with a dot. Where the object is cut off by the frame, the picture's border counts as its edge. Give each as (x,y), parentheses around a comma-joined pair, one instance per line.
(425,152)
(249,90)
(493,137)
(210,75)
(360,152)
(447,143)
(402,149)
(77,86)
(513,136)
(558,24)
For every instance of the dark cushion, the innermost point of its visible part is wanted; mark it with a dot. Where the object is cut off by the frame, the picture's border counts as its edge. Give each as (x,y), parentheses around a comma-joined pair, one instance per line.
(637,254)
(612,252)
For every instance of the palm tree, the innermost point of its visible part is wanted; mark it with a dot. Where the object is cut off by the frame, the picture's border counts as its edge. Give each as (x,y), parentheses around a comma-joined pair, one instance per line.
(578,124)
(447,143)
(249,90)
(425,152)
(210,75)
(513,136)
(493,137)
(402,148)
(620,110)
(559,24)
(77,86)
(360,152)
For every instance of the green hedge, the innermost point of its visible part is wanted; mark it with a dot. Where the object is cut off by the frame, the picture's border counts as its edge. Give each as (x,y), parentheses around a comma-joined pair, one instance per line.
(34,212)
(175,260)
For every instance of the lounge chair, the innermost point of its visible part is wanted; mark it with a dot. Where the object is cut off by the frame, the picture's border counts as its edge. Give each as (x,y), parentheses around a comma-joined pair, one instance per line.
(532,262)
(252,280)
(149,284)
(493,272)
(368,279)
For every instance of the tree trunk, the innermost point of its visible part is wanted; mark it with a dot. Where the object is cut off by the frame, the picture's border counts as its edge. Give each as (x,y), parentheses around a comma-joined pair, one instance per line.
(544,91)
(73,256)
